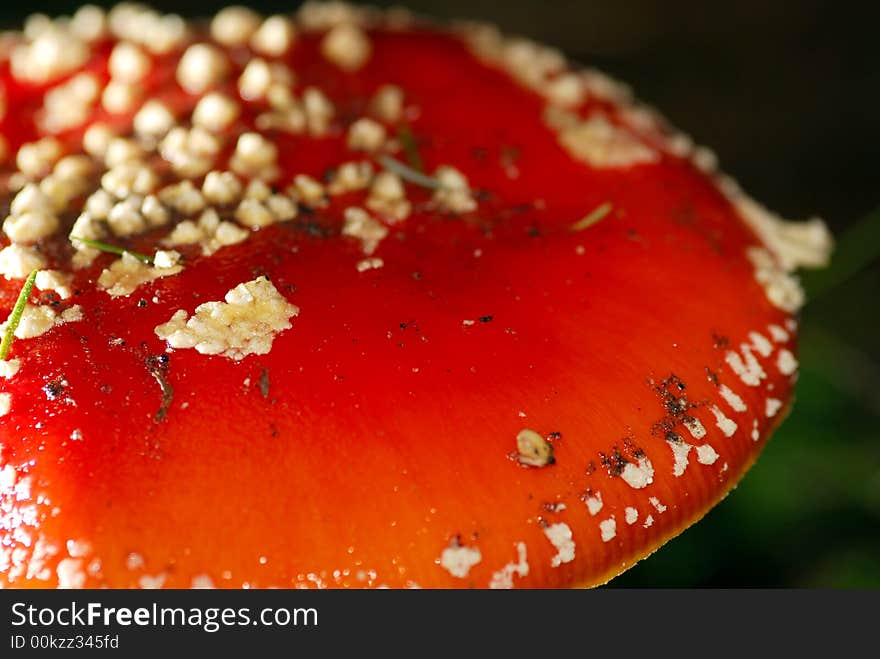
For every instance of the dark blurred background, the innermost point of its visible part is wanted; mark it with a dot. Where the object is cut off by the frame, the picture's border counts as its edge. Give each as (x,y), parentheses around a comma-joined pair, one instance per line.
(788,95)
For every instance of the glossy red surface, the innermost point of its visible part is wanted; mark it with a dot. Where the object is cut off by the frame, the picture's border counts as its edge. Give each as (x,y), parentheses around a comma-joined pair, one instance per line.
(380,429)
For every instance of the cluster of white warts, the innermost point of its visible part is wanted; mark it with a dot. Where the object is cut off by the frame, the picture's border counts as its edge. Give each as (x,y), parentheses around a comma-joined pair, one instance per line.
(133,198)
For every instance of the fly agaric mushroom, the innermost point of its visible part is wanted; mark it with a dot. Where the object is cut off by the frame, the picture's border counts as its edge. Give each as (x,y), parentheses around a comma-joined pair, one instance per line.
(344,299)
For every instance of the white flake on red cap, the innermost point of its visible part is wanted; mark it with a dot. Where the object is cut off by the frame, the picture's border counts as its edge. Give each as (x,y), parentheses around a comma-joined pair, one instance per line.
(608,529)
(17,261)
(9,367)
(680,450)
(503,578)
(736,403)
(786,362)
(274,37)
(638,475)
(659,507)
(215,112)
(37,320)
(246,322)
(694,427)
(458,560)
(778,334)
(127,273)
(70,573)
(746,366)
(727,426)
(594,503)
(360,224)
(761,344)
(201,67)
(561,538)
(128,63)
(773,406)
(347,46)
(233,26)
(706,455)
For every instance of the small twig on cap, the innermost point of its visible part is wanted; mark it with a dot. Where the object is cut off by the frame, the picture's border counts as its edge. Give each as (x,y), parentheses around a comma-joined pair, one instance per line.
(595,216)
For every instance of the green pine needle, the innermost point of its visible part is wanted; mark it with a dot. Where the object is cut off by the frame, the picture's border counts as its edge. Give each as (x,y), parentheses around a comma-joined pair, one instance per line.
(409,174)
(15,316)
(113,249)
(409,147)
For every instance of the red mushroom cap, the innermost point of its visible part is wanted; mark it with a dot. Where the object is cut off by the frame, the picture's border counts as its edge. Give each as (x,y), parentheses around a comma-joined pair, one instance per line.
(420,307)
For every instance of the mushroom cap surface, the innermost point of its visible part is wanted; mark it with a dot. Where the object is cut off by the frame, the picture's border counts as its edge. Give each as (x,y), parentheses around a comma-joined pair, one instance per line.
(575,341)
